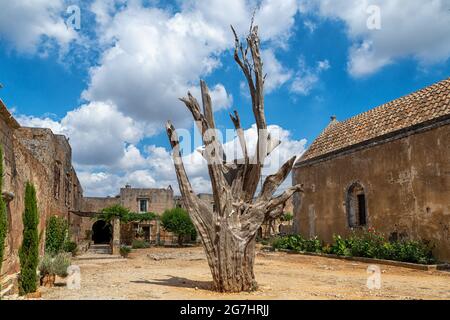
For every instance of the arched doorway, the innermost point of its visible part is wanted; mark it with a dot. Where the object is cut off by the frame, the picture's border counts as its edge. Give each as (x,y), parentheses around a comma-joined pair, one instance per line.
(101,232)
(356,205)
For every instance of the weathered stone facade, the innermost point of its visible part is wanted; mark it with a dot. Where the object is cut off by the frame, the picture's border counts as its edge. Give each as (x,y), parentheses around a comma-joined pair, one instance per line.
(393,174)
(137,200)
(38,156)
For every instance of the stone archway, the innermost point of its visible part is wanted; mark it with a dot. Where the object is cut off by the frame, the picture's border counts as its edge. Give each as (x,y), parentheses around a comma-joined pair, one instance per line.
(356,204)
(101,232)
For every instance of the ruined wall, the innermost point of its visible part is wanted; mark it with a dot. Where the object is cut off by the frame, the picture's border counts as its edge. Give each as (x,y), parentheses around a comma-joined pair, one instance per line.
(55,153)
(159,200)
(406,183)
(82,226)
(20,166)
(31,155)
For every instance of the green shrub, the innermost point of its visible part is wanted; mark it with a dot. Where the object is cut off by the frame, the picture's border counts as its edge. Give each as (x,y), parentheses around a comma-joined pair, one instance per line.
(3,214)
(71,247)
(340,246)
(125,251)
(298,243)
(60,264)
(29,251)
(46,265)
(177,220)
(140,244)
(54,265)
(124,215)
(287,217)
(56,235)
(367,243)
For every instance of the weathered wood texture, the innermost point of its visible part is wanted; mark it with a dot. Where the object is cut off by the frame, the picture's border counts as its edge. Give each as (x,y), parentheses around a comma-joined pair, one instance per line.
(228,233)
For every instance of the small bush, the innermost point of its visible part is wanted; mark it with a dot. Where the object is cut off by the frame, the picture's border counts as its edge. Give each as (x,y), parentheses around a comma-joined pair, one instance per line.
(71,247)
(177,220)
(46,265)
(125,251)
(60,264)
(56,235)
(368,244)
(54,265)
(140,244)
(29,250)
(297,243)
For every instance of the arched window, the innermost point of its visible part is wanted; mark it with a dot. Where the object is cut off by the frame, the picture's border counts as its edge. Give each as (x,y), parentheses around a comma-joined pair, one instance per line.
(356,206)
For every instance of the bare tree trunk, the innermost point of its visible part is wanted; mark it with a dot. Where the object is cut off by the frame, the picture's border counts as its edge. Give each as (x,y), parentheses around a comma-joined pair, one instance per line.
(228,233)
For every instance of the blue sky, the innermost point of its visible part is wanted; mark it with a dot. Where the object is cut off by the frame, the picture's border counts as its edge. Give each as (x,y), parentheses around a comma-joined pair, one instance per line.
(111,84)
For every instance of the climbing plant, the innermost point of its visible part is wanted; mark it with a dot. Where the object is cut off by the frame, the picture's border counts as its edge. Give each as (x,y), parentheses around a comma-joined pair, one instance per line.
(124,215)
(3,214)
(29,251)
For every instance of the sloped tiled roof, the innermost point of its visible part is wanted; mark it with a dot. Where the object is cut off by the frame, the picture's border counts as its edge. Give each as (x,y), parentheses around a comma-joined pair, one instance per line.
(430,103)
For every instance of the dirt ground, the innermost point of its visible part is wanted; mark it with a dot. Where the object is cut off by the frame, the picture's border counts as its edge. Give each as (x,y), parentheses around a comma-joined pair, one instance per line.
(183,273)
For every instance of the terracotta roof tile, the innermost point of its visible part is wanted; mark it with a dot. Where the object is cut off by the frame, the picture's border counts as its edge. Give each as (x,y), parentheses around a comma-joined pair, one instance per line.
(421,106)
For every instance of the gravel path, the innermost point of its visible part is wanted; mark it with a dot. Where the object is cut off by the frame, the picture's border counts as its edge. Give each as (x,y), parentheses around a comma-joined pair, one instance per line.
(183,273)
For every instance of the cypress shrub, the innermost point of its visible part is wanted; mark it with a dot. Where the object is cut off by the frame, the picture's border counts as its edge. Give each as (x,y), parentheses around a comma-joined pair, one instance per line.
(3,216)
(55,235)
(29,251)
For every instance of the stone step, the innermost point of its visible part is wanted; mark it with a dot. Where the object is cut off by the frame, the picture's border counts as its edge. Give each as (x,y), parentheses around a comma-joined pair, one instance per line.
(99,249)
(93,256)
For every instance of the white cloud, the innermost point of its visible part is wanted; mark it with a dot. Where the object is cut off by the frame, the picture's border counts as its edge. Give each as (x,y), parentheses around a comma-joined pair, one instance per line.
(98,133)
(36,122)
(149,58)
(152,56)
(307,78)
(34,26)
(417,29)
(277,75)
(311,26)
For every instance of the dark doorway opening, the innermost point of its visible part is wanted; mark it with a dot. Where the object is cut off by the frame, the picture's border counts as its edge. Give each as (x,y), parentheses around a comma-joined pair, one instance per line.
(356,206)
(362,209)
(101,232)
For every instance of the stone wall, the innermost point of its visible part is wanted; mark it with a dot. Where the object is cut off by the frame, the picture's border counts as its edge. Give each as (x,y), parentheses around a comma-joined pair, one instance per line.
(80,225)
(30,155)
(406,184)
(159,200)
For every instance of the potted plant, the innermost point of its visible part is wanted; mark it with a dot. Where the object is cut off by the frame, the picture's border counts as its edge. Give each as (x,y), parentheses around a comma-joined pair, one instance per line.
(46,271)
(52,266)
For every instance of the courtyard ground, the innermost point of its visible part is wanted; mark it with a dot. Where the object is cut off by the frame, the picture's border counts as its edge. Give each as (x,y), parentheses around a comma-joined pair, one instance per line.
(183,273)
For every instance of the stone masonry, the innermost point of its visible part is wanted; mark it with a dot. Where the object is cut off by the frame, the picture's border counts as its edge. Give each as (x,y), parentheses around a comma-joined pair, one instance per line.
(44,159)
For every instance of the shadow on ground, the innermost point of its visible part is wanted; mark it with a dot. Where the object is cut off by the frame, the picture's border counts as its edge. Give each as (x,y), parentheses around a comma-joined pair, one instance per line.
(178,282)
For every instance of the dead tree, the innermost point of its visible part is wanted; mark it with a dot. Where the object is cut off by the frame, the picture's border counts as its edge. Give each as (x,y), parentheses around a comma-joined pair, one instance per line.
(229,232)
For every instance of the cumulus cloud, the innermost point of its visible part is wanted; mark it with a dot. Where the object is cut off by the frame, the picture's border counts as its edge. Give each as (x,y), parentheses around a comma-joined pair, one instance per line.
(149,57)
(416,29)
(307,78)
(33,26)
(277,74)
(36,122)
(152,56)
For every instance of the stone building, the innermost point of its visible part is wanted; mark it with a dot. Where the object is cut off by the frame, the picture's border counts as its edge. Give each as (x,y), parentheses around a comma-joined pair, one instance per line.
(138,200)
(44,159)
(387,168)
